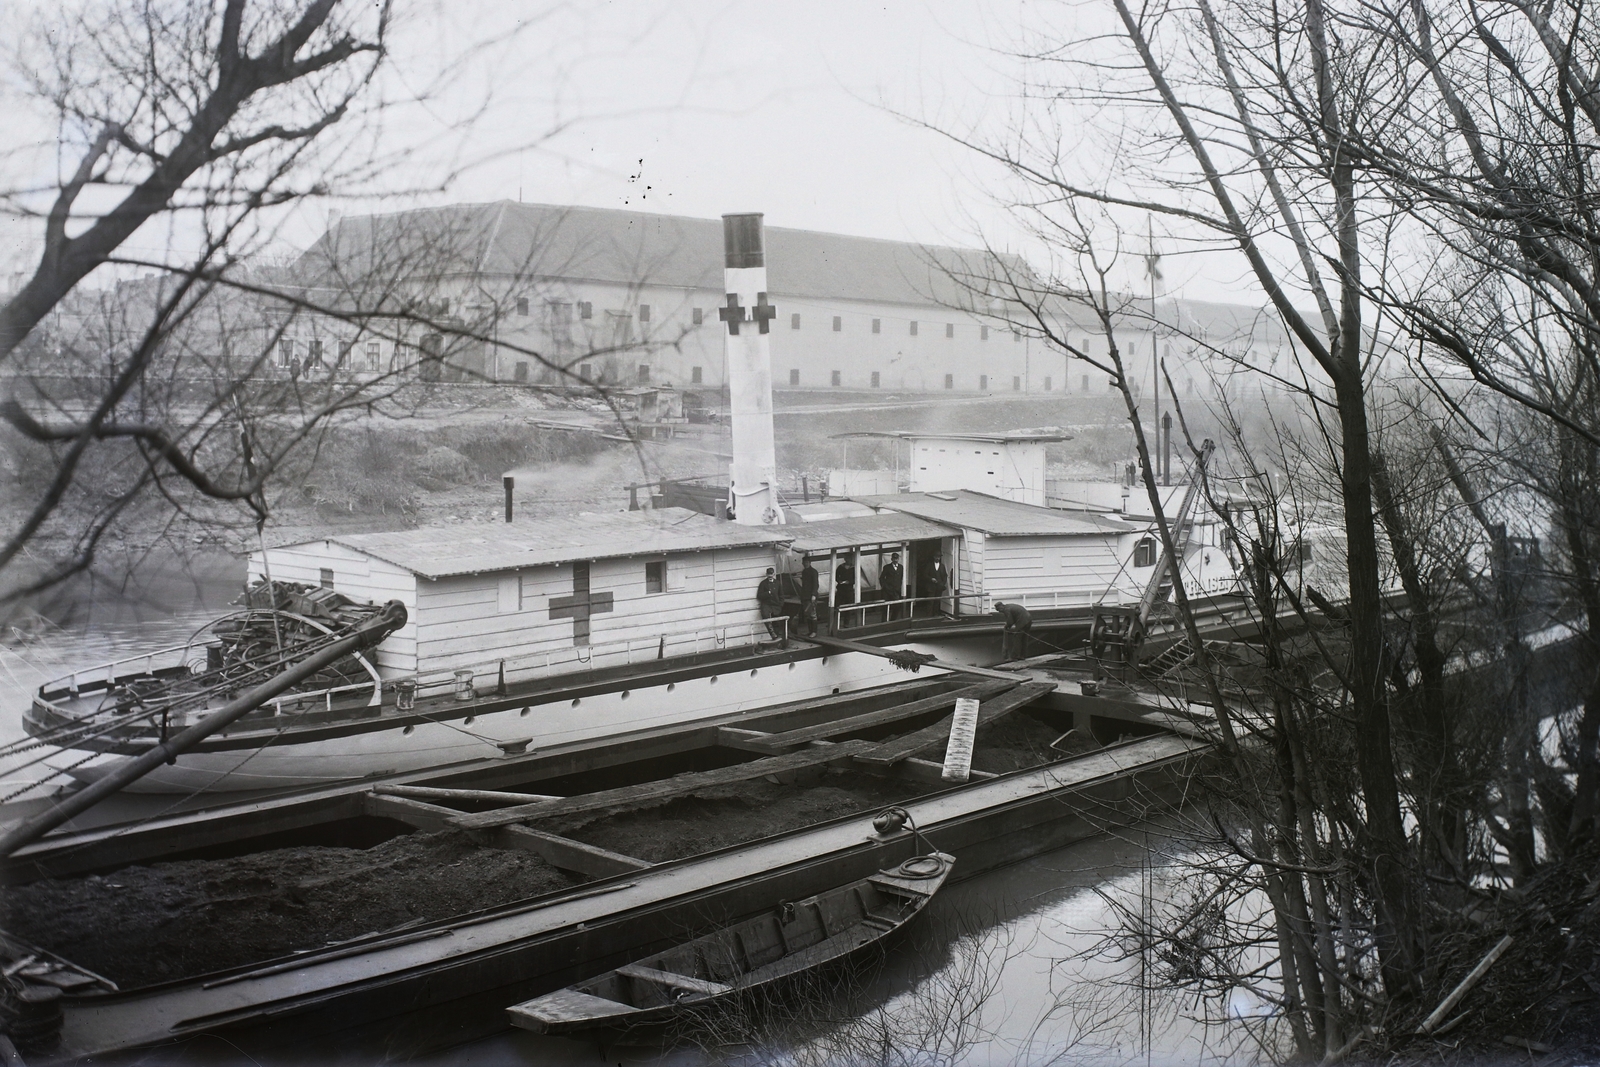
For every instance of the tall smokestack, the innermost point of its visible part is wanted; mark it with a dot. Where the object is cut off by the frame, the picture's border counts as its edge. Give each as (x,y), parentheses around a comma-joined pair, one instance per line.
(753,474)
(510,483)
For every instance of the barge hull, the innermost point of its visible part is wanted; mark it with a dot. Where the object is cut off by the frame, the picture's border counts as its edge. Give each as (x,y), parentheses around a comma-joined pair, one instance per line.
(467,970)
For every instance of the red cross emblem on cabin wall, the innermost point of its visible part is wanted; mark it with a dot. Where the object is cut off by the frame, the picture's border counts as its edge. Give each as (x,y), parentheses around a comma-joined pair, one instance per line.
(580,605)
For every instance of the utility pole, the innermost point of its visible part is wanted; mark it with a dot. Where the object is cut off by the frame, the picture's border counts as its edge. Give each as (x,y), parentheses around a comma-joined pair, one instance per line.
(1152,266)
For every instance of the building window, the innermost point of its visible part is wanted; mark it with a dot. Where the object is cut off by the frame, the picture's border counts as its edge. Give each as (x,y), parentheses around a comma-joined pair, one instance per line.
(794,321)
(695,375)
(877,325)
(699,316)
(949,329)
(644,374)
(1047,383)
(644,312)
(285,352)
(314,353)
(794,376)
(949,381)
(585,370)
(983,333)
(1144,553)
(1188,386)
(520,373)
(374,355)
(1133,349)
(835,378)
(325,578)
(983,382)
(838,323)
(913,327)
(1016,335)
(522,305)
(1016,383)
(875,380)
(585,310)
(1085,383)
(655,576)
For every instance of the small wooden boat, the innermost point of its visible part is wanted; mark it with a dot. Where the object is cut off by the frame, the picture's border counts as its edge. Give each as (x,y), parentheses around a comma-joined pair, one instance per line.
(787,941)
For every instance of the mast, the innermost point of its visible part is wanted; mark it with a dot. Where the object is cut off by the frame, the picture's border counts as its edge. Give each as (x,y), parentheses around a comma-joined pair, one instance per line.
(753,474)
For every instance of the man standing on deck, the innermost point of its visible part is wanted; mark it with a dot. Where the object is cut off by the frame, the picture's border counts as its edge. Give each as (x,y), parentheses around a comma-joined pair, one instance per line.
(809,581)
(1014,638)
(891,583)
(844,583)
(771,604)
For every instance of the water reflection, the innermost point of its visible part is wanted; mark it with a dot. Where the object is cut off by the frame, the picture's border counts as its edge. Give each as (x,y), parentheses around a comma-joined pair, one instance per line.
(1023,965)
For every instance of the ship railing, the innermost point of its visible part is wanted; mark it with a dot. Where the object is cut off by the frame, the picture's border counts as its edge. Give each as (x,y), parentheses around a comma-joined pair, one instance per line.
(471,679)
(145,664)
(905,609)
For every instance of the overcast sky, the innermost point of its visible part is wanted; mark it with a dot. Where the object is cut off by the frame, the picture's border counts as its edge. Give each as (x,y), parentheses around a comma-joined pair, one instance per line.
(702,107)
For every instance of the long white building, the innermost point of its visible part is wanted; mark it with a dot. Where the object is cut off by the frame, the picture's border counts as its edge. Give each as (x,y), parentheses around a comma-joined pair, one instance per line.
(625,298)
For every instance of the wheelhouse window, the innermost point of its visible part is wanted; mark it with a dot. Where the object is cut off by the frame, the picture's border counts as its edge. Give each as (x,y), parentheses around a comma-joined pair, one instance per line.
(1144,553)
(655,576)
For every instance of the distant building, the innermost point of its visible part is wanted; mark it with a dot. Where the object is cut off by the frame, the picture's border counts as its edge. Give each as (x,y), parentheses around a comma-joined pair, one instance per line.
(625,298)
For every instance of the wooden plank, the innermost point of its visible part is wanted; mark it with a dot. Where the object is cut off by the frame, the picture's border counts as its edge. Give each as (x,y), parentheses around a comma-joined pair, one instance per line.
(565,1006)
(784,712)
(900,748)
(746,740)
(491,796)
(845,645)
(429,818)
(867,720)
(650,791)
(921,770)
(585,859)
(668,978)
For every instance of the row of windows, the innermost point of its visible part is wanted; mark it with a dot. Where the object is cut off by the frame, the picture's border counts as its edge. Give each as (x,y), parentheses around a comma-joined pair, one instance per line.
(562,313)
(641,376)
(316,353)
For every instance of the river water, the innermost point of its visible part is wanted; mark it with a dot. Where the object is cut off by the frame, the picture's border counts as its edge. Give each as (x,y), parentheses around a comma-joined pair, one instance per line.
(1017,966)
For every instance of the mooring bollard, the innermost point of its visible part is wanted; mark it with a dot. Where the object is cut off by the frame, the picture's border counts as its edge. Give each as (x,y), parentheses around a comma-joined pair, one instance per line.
(464,689)
(405,697)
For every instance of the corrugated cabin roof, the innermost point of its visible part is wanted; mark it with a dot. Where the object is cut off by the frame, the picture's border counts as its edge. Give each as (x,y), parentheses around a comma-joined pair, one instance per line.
(881,529)
(996,516)
(442,551)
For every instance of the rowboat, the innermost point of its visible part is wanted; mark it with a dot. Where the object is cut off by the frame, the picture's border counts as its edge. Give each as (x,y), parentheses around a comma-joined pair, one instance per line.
(789,940)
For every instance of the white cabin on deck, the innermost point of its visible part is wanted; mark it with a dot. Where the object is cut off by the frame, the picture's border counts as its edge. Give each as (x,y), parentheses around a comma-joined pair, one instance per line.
(548,596)
(1037,556)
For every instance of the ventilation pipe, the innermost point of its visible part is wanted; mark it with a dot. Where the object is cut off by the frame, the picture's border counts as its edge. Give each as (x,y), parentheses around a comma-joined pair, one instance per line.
(748,316)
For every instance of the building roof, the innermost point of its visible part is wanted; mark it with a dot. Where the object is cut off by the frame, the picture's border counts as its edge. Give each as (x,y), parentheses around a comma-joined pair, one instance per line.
(636,248)
(882,529)
(441,551)
(997,517)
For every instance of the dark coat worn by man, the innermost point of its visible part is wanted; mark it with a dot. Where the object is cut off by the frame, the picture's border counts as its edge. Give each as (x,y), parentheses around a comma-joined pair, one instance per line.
(770,601)
(810,580)
(1014,638)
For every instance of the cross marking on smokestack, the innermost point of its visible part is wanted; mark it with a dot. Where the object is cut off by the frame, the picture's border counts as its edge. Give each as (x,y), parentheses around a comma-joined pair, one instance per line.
(733,315)
(763,312)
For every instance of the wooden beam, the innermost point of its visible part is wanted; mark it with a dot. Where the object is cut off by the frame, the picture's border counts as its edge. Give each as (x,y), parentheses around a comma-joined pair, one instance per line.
(770,718)
(921,770)
(576,856)
(746,740)
(901,748)
(429,818)
(845,645)
(489,796)
(634,795)
(867,720)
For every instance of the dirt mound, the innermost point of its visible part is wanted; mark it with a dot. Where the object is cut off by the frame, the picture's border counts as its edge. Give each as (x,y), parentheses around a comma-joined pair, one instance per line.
(149,924)
(730,815)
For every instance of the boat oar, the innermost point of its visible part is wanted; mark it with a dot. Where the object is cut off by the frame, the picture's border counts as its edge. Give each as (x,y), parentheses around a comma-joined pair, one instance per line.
(371,632)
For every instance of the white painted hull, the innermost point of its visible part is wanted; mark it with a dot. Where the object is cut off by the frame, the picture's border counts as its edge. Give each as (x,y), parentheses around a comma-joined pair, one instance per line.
(284,763)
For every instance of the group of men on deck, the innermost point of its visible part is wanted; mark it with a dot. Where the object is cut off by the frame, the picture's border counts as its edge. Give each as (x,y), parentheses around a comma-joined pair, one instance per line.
(1014,635)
